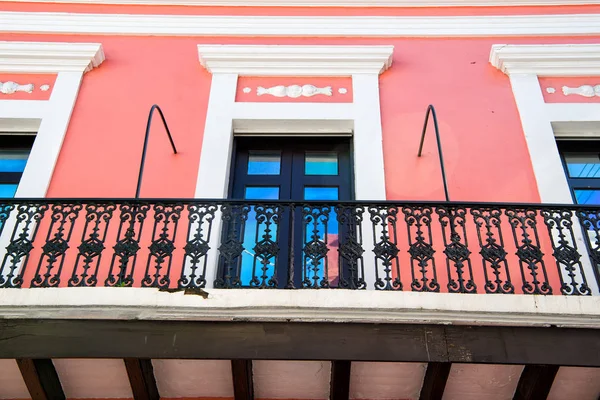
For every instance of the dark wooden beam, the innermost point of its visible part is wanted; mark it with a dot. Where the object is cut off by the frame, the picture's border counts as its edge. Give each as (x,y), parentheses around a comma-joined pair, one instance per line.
(41,379)
(435,380)
(141,378)
(298,341)
(241,371)
(535,382)
(340,380)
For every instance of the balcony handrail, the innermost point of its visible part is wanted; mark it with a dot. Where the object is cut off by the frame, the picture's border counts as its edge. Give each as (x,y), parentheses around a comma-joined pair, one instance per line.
(391,202)
(155,107)
(431,111)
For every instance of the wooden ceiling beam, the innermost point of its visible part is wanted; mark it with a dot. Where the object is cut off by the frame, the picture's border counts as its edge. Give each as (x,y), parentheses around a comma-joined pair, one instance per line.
(435,380)
(41,379)
(535,382)
(340,380)
(241,372)
(141,378)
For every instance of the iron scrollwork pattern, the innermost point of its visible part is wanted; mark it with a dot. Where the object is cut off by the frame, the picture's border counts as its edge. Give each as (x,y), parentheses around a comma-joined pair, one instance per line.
(566,254)
(456,249)
(122,266)
(533,269)
(164,233)
(590,222)
(62,221)
(418,221)
(492,250)
(234,218)
(23,235)
(385,238)
(93,239)
(350,248)
(266,249)
(200,224)
(315,260)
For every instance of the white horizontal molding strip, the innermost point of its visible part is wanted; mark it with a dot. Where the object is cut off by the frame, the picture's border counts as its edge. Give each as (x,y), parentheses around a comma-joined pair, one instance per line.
(547,60)
(573,112)
(49,57)
(22,109)
(310,305)
(273,60)
(331,3)
(330,26)
(293,111)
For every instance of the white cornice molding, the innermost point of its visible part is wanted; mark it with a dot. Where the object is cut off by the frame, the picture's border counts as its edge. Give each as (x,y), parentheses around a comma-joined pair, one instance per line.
(300,26)
(49,57)
(331,3)
(547,60)
(274,60)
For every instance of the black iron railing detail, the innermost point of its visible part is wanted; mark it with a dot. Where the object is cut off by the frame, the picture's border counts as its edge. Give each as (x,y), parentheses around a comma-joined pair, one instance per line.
(392,246)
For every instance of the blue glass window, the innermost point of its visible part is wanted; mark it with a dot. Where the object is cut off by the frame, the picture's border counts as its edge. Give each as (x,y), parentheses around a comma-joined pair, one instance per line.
(321,163)
(262,193)
(7,190)
(584,196)
(320,193)
(13,160)
(14,151)
(264,163)
(583,165)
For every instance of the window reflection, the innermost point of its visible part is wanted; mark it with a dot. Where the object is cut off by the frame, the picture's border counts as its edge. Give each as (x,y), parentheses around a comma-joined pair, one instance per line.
(321,163)
(583,165)
(264,163)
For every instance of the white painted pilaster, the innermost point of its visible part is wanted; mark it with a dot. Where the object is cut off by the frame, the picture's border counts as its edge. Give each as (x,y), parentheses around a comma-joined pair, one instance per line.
(215,157)
(53,128)
(369,174)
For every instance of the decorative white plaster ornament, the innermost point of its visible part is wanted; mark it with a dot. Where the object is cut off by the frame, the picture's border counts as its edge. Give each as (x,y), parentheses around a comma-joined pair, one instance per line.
(342,90)
(294,91)
(11,87)
(550,90)
(45,88)
(584,90)
(246,90)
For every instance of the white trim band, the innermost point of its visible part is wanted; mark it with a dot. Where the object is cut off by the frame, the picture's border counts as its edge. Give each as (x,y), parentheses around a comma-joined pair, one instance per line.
(308,305)
(331,3)
(300,26)
(49,57)
(547,60)
(269,60)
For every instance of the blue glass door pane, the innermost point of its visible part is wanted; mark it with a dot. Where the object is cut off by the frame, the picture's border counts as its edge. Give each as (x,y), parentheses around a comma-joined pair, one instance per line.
(583,165)
(13,160)
(585,196)
(7,190)
(261,193)
(264,163)
(321,163)
(321,193)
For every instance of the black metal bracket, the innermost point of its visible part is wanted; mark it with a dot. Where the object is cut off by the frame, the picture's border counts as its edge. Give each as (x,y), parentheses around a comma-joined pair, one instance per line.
(431,110)
(148,124)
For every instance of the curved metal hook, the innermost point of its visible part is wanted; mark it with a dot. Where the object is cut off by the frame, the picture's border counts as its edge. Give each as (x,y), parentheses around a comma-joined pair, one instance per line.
(148,124)
(431,110)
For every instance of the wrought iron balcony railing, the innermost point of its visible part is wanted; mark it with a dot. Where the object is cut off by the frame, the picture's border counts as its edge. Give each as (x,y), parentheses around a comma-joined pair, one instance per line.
(425,247)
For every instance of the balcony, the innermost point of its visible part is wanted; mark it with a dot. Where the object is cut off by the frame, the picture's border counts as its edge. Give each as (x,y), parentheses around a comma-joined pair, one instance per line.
(174,244)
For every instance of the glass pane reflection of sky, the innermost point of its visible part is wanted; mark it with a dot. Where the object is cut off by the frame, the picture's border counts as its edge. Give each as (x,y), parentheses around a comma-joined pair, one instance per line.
(321,163)
(583,165)
(263,163)
(585,196)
